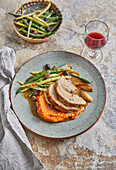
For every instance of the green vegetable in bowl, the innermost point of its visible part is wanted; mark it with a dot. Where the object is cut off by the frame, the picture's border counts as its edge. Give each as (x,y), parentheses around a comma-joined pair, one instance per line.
(41,21)
(24,32)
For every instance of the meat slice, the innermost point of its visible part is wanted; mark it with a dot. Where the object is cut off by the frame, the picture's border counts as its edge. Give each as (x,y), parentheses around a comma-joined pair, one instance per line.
(48,113)
(67,98)
(56,103)
(67,85)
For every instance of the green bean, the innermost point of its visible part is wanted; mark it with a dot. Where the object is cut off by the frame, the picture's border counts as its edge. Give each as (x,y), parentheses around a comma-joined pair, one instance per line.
(40,75)
(40,80)
(39,20)
(25,22)
(32,92)
(37,77)
(52,19)
(45,9)
(15,15)
(50,14)
(51,80)
(41,89)
(45,15)
(37,26)
(81,78)
(30,78)
(28,33)
(22,10)
(27,15)
(53,28)
(43,85)
(19,90)
(41,35)
(35,35)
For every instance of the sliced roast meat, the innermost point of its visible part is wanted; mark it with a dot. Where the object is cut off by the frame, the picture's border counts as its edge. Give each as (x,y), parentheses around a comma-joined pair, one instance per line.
(67,85)
(48,113)
(67,98)
(53,98)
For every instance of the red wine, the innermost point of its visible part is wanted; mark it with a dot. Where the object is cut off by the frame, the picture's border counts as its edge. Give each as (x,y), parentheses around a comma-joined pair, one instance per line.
(95,40)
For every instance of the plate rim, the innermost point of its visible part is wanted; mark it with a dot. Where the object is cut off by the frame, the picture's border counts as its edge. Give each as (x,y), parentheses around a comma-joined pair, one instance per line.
(71,135)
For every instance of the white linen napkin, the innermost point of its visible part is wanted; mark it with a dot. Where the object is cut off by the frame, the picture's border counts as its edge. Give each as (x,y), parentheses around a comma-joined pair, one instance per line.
(15,149)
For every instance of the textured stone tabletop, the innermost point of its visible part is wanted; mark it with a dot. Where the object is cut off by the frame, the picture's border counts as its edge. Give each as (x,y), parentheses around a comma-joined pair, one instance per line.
(95,149)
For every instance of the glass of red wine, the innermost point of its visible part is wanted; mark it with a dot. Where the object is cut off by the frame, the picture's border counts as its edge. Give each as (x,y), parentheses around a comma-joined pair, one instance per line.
(96,36)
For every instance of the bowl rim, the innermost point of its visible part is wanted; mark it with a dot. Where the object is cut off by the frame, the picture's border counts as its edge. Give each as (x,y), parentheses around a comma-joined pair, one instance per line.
(35,40)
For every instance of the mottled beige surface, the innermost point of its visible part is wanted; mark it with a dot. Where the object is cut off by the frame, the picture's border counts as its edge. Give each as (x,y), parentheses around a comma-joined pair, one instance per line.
(66,154)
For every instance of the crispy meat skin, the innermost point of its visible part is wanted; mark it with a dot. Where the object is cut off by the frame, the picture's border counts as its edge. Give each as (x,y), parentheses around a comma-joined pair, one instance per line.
(48,113)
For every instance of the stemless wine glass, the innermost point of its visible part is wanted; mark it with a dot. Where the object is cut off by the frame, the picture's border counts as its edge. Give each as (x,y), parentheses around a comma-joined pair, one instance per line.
(96,36)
